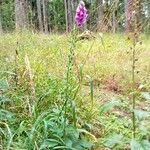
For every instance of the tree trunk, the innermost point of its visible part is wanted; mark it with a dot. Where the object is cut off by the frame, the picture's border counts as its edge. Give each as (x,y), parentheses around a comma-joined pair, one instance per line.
(45,16)
(40,22)
(114,17)
(20,14)
(70,16)
(129,16)
(75,2)
(113,22)
(100,12)
(106,23)
(70,10)
(66,15)
(1,29)
(73,6)
(148,10)
(137,18)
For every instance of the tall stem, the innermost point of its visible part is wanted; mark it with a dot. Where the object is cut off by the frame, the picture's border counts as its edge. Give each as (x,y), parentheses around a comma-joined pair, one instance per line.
(136,8)
(69,78)
(133,91)
(16,66)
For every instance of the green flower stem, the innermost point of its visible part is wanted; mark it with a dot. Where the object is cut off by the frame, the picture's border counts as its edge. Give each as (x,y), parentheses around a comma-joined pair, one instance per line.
(133,91)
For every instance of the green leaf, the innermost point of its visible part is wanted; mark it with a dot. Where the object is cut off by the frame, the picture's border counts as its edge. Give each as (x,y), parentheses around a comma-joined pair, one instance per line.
(86,144)
(4,99)
(87,133)
(2,132)
(113,140)
(142,145)
(4,84)
(38,122)
(108,106)
(68,142)
(134,145)
(140,114)
(64,148)
(49,143)
(78,145)
(5,115)
(145,144)
(143,130)
(72,133)
(146,95)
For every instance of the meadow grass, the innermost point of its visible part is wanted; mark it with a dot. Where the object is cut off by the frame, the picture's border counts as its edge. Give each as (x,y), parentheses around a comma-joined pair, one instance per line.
(104,61)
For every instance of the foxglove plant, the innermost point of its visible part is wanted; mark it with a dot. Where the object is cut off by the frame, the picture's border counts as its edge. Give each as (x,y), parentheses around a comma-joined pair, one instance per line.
(81,14)
(71,85)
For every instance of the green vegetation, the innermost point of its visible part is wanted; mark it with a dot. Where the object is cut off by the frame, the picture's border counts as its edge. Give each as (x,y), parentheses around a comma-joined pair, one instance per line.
(57,94)
(74,75)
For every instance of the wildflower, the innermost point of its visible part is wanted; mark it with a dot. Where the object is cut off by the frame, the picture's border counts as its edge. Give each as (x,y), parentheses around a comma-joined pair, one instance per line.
(81,14)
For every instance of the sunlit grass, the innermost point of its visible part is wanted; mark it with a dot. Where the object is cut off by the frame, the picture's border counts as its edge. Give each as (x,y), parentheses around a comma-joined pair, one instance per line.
(50,52)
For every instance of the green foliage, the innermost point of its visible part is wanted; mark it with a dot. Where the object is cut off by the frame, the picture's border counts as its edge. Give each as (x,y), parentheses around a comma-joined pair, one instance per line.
(142,145)
(108,106)
(4,84)
(54,135)
(7,14)
(146,95)
(62,116)
(53,121)
(57,19)
(113,140)
(140,114)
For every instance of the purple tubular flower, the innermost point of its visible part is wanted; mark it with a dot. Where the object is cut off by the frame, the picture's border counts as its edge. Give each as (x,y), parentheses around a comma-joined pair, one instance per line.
(81,14)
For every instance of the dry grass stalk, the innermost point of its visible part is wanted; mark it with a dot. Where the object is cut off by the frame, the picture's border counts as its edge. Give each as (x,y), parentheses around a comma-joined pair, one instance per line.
(31,80)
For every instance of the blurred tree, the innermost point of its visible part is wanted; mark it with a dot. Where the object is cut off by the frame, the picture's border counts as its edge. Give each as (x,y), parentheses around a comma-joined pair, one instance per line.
(66,15)
(7,14)
(114,16)
(146,16)
(128,16)
(1,29)
(58,15)
(100,12)
(70,7)
(40,22)
(70,14)
(45,15)
(20,14)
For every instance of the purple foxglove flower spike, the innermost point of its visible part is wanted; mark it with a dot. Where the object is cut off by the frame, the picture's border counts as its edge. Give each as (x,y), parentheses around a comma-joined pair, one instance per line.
(81,14)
